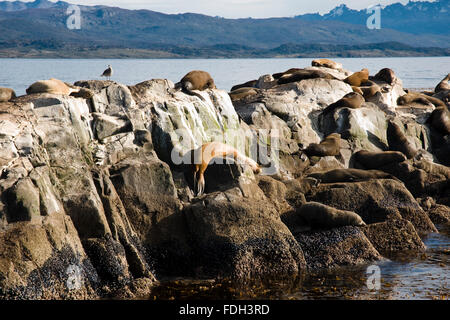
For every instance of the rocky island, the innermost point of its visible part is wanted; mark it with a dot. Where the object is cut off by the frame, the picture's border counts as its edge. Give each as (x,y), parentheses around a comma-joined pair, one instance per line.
(96,201)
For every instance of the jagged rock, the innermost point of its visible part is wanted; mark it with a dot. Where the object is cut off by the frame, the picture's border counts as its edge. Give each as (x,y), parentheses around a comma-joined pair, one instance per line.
(223,245)
(96,202)
(439,214)
(346,246)
(23,201)
(394,236)
(375,201)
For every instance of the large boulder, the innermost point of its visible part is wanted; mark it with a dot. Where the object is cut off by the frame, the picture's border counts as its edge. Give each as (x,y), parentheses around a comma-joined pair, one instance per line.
(241,237)
(375,201)
(394,236)
(346,246)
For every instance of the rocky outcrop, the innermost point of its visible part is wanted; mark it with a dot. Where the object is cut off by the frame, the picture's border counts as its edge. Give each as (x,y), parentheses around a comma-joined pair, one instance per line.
(97,193)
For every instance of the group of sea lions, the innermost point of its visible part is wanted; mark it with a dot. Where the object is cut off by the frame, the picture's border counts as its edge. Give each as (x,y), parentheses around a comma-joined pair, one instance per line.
(364,87)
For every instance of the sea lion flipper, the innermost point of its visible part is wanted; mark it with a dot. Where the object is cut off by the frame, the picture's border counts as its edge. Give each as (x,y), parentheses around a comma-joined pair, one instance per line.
(187,88)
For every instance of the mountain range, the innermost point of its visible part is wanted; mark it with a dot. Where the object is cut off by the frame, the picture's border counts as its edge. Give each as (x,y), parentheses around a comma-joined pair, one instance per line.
(38,29)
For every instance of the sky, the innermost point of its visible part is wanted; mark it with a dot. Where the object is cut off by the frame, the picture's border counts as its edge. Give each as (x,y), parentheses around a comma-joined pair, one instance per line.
(237,8)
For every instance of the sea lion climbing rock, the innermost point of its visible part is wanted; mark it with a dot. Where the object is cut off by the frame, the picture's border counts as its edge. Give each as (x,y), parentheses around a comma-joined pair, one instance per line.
(53,86)
(349,175)
(6,94)
(352,100)
(398,142)
(195,80)
(357,78)
(327,63)
(443,85)
(321,216)
(330,146)
(208,151)
(375,160)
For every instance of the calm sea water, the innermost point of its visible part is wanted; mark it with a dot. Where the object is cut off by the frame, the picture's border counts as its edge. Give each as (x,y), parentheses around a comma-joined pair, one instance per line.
(20,73)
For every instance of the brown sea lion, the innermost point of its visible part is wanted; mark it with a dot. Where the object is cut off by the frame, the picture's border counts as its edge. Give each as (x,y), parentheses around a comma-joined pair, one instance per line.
(443,96)
(53,86)
(440,120)
(195,80)
(398,142)
(278,75)
(357,90)
(84,93)
(387,75)
(318,215)
(242,93)
(6,94)
(330,146)
(443,85)
(357,78)
(248,84)
(375,160)
(351,100)
(369,89)
(303,75)
(327,63)
(349,175)
(418,97)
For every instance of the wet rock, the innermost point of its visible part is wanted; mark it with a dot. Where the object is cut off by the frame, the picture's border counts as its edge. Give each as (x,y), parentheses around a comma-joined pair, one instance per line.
(346,246)
(375,201)
(440,214)
(108,257)
(45,261)
(225,245)
(394,236)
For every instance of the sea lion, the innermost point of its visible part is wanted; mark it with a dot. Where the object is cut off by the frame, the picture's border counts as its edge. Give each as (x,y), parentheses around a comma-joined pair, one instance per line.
(443,85)
(195,80)
(387,75)
(303,74)
(357,90)
(443,96)
(351,100)
(375,160)
(6,94)
(330,146)
(327,63)
(278,75)
(357,78)
(84,93)
(242,93)
(369,89)
(398,142)
(349,175)
(208,151)
(440,120)
(53,86)
(248,84)
(318,215)
(418,97)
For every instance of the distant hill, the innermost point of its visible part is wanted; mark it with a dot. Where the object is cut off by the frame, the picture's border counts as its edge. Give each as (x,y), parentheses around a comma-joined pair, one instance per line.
(419,17)
(38,29)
